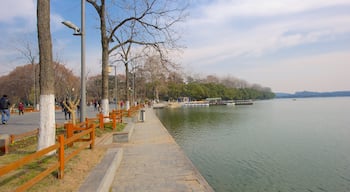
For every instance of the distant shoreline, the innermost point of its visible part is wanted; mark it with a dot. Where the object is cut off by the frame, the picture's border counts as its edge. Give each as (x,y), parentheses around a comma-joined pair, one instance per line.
(308,94)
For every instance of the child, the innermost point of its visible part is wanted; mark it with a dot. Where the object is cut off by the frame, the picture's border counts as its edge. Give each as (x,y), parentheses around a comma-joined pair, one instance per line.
(20,108)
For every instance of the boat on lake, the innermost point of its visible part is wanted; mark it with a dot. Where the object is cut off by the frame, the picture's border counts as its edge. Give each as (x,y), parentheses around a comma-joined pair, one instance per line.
(244,102)
(196,104)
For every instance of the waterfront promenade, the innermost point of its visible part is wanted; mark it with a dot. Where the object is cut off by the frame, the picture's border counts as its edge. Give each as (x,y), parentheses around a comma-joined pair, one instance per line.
(150,161)
(153,161)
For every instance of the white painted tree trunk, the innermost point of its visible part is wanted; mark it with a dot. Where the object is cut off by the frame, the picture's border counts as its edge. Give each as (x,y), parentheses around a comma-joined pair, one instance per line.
(105,109)
(127,105)
(47,130)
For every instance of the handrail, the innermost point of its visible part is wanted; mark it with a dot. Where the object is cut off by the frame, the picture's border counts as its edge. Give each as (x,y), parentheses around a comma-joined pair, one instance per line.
(19,163)
(61,157)
(13,138)
(133,110)
(116,116)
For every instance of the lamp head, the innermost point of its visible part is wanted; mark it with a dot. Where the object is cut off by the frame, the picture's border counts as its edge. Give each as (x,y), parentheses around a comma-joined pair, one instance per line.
(72,26)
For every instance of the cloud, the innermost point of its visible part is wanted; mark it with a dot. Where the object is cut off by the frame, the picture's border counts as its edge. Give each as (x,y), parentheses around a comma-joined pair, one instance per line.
(56,22)
(11,10)
(218,36)
(319,72)
(223,9)
(286,45)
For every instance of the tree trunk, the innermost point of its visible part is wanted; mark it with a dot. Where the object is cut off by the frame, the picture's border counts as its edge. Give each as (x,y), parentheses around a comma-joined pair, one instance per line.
(105,60)
(127,95)
(47,98)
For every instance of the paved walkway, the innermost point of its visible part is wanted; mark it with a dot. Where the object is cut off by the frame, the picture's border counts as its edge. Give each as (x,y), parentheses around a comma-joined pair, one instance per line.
(30,121)
(153,161)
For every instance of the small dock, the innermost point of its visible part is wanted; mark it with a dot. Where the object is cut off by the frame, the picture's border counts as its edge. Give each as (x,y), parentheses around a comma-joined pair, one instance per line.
(244,102)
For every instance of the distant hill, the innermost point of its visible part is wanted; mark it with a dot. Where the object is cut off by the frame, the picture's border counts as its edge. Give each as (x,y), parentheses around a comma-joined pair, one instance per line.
(304,94)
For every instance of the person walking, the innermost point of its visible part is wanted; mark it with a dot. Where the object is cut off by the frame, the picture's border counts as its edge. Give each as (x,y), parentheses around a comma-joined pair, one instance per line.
(4,107)
(20,108)
(67,113)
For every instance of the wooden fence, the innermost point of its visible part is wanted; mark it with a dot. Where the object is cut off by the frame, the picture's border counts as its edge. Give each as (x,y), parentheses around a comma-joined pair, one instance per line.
(17,137)
(115,116)
(133,110)
(74,133)
(62,158)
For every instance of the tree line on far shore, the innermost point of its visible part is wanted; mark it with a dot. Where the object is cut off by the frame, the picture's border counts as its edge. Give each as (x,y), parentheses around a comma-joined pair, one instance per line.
(212,87)
(146,84)
(201,91)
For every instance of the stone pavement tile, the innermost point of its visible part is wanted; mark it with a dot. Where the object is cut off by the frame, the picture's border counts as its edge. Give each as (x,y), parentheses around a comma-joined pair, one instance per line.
(153,161)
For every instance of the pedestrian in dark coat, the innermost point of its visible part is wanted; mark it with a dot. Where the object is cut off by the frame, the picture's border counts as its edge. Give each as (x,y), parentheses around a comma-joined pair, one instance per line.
(4,108)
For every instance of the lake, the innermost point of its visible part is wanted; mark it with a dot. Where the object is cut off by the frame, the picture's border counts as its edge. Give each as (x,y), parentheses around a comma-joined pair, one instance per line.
(273,145)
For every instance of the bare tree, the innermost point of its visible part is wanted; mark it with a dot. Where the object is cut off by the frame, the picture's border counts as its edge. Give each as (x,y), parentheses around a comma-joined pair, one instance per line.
(47,97)
(27,48)
(71,104)
(156,74)
(141,22)
(93,87)
(127,58)
(65,81)
(29,52)
(19,78)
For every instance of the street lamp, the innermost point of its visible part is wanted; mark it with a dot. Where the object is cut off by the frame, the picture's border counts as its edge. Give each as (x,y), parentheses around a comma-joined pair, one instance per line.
(115,86)
(72,26)
(81,33)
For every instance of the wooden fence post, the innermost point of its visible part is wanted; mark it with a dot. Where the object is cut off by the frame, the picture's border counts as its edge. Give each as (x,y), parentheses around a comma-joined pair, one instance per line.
(101,121)
(70,131)
(12,139)
(61,156)
(86,123)
(92,136)
(129,113)
(114,121)
(4,144)
(121,116)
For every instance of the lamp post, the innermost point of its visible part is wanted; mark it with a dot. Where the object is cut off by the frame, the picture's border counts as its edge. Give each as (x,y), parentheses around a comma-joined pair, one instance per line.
(134,69)
(133,89)
(34,103)
(115,86)
(81,33)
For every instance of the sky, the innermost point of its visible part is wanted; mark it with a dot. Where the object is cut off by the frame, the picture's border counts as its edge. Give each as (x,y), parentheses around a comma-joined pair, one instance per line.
(287,45)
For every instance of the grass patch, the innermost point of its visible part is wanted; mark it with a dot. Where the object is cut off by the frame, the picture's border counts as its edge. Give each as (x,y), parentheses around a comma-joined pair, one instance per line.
(108,129)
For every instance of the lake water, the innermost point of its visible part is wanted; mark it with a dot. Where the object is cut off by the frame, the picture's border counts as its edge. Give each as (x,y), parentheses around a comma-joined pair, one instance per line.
(274,145)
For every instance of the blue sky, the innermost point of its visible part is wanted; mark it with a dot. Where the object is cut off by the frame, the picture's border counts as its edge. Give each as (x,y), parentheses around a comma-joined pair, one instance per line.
(287,45)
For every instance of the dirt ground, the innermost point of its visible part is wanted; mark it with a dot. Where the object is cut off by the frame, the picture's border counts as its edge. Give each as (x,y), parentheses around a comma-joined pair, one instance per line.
(76,171)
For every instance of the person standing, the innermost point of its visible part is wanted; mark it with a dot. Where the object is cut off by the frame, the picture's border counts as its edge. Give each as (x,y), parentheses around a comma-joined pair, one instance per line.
(4,107)
(20,108)
(95,105)
(67,113)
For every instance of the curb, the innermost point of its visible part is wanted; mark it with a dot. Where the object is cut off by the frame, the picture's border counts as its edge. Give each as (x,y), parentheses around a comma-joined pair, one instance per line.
(101,177)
